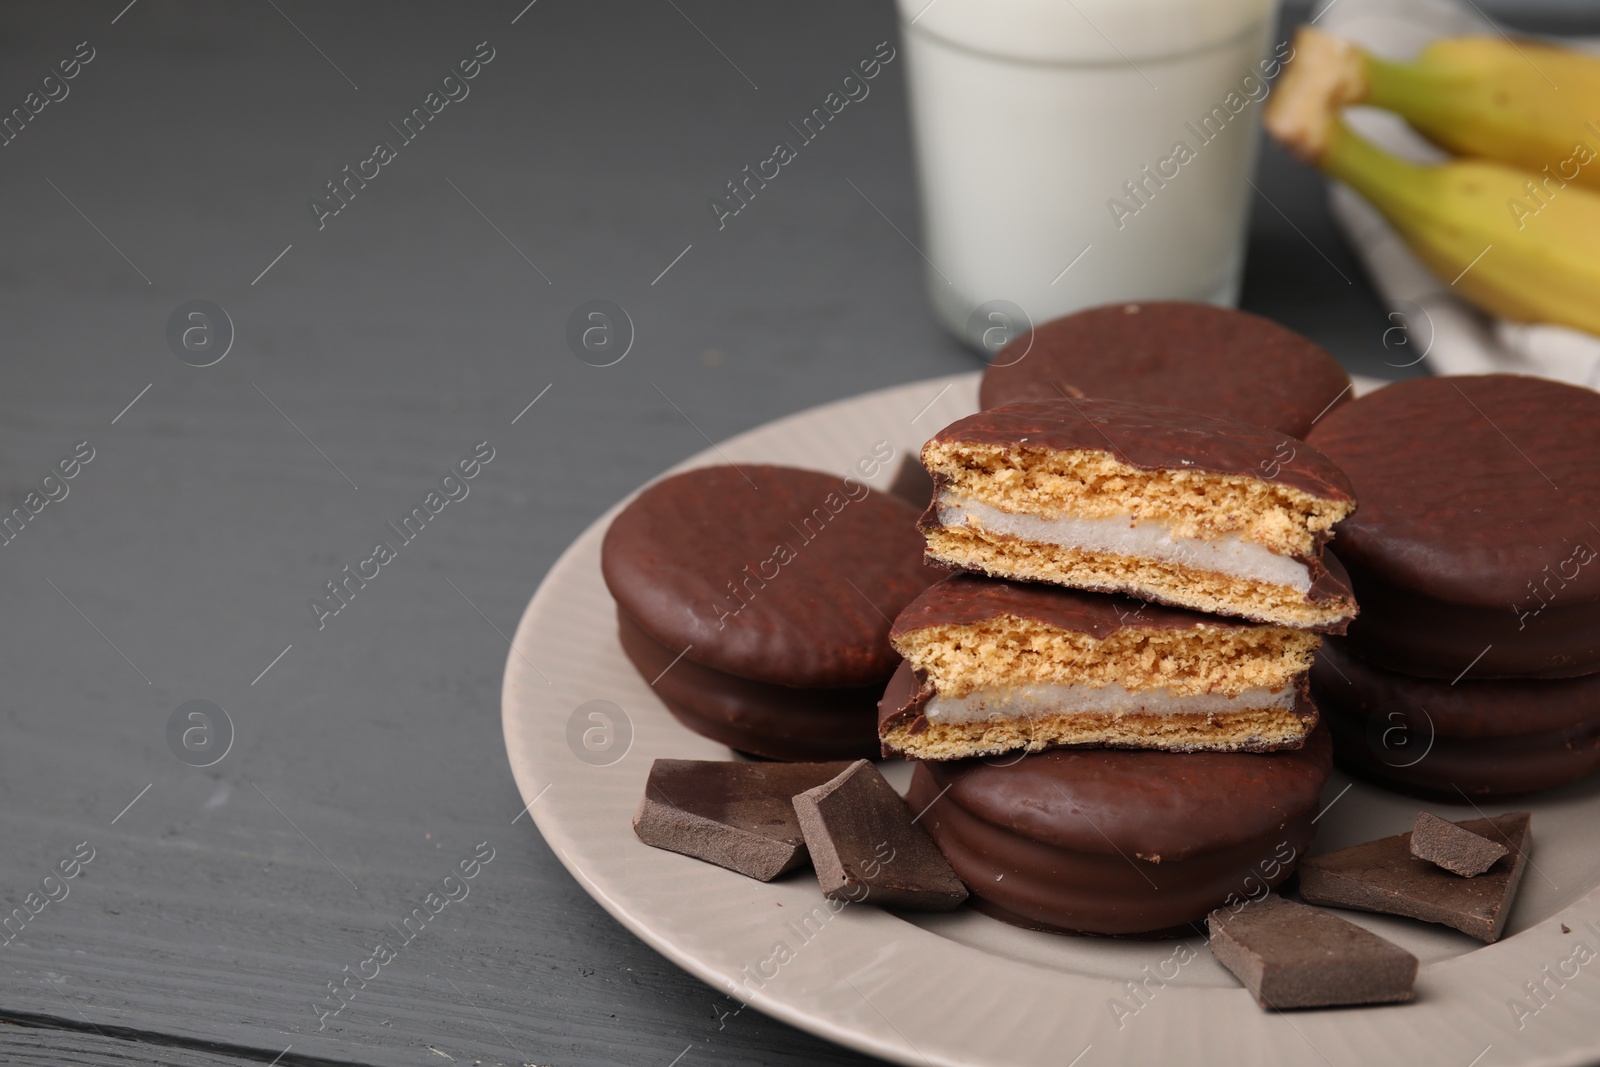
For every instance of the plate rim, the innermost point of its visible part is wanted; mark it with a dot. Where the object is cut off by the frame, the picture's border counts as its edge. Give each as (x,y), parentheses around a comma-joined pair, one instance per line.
(876,1041)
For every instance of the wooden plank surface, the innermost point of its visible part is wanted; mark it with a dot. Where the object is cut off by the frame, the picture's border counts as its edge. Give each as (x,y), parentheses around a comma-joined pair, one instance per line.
(370,356)
(26,1044)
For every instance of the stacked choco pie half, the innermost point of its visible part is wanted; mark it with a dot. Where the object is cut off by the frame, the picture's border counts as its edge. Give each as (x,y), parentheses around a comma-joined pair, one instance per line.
(1168,352)
(1110,701)
(1178,759)
(1474,669)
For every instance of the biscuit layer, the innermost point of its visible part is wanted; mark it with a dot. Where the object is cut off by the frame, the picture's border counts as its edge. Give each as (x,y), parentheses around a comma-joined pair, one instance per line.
(1088,483)
(1254,730)
(1165,582)
(1007,651)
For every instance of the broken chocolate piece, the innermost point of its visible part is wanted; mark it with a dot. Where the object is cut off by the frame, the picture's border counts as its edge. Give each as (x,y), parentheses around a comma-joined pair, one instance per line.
(1289,955)
(866,845)
(1444,844)
(736,815)
(1383,876)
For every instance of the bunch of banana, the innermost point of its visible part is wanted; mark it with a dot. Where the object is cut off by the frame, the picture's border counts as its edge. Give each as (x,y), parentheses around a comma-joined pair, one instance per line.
(1511,224)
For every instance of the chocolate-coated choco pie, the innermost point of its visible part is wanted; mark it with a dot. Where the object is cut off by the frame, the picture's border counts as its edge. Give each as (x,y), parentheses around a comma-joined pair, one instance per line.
(775,721)
(1121,842)
(774,587)
(1209,359)
(1474,551)
(1496,738)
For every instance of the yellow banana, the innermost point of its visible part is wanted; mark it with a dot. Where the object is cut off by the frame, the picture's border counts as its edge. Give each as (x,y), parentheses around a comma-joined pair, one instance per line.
(1537,266)
(1520,102)
(1525,103)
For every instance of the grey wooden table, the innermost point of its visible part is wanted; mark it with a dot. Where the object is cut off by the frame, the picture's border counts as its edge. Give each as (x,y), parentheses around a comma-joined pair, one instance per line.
(372,349)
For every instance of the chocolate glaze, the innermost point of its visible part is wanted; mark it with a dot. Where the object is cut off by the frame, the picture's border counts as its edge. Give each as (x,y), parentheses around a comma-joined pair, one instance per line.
(1076,892)
(1477,494)
(1145,804)
(1154,438)
(988,907)
(774,721)
(1401,754)
(906,699)
(1215,360)
(1122,842)
(963,599)
(1411,632)
(809,600)
(903,701)
(1467,709)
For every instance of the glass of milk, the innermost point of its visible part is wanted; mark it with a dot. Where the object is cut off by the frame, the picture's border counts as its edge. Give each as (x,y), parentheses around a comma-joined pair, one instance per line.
(1081,152)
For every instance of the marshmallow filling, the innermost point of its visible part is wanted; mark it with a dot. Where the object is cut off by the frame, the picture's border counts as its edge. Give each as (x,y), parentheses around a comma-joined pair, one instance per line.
(1042,701)
(1230,554)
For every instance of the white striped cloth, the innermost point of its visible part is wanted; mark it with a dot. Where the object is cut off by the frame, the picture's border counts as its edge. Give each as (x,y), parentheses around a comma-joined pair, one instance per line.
(1444,330)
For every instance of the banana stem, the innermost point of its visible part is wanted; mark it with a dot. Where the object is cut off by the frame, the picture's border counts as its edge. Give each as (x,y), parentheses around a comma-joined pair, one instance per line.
(1327,73)
(1406,88)
(1392,184)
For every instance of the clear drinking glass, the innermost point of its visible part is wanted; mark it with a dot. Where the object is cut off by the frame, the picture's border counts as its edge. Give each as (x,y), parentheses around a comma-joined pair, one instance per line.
(1081,152)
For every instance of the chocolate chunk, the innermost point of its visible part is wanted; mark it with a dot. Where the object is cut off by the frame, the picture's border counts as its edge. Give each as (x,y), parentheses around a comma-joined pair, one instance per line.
(736,815)
(866,845)
(1384,876)
(1289,955)
(1447,845)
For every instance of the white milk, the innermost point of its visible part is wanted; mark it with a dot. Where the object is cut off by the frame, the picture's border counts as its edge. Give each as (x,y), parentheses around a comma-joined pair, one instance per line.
(1045,128)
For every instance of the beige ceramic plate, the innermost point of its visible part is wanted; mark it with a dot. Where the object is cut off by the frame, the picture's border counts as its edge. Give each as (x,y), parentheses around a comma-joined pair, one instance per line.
(962,988)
